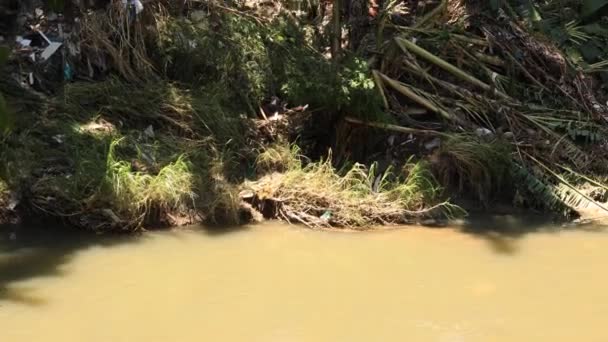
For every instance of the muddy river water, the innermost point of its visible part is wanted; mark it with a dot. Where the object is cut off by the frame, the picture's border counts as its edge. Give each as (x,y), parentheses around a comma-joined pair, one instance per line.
(500,279)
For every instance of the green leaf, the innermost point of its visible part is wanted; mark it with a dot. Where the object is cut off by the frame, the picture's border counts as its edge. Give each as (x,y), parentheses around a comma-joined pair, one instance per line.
(590,7)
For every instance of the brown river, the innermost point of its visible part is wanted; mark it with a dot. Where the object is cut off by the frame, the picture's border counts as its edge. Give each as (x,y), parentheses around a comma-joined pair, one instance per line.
(499,279)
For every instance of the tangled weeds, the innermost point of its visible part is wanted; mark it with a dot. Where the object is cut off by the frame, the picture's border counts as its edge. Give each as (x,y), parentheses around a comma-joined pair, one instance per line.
(318,195)
(504,104)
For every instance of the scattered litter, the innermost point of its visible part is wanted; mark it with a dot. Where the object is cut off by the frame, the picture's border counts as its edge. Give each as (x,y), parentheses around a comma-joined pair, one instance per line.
(247,194)
(44,36)
(13,201)
(326,216)
(68,73)
(139,7)
(483,132)
(30,78)
(432,144)
(22,41)
(149,132)
(135,3)
(59,138)
(50,50)
(39,12)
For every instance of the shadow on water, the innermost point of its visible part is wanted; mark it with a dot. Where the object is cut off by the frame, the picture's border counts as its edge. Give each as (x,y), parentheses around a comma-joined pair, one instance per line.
(219,230)
(29,252)
(503,232)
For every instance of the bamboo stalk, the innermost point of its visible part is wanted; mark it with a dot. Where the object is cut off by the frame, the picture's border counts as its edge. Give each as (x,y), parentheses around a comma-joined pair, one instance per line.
(406,45)
(380,86)
(431,14)
(406,91)
(394,128)
(336,30)
(493,60)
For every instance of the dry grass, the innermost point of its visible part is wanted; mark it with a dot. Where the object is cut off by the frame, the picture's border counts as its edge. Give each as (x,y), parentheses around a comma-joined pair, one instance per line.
(108,42)
(317,195)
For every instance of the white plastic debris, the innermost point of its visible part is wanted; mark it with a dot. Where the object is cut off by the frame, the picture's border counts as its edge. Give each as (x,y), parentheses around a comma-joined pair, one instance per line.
(50,50)
(59,138)
(432,144)
(149,132)
(44,36)
(483,132)
(22,41)
(13,201)
(138,5)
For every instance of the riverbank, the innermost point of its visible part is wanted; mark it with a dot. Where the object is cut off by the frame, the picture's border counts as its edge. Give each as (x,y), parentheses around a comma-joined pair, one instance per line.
(206,113)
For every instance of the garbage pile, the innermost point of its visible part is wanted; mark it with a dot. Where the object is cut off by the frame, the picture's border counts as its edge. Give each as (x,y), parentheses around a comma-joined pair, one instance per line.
(46,45)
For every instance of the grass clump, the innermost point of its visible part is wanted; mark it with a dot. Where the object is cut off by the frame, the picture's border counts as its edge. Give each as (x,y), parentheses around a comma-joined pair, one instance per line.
(318,195)
(108,181)
(138,197)
(279,157)
(470,164)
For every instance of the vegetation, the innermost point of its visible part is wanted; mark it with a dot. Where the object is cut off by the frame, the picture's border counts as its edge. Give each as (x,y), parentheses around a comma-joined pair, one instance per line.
(318,195)
(228,113)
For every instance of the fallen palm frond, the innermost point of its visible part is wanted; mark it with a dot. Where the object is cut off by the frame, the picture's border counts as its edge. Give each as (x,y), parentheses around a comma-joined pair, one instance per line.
(509,103)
